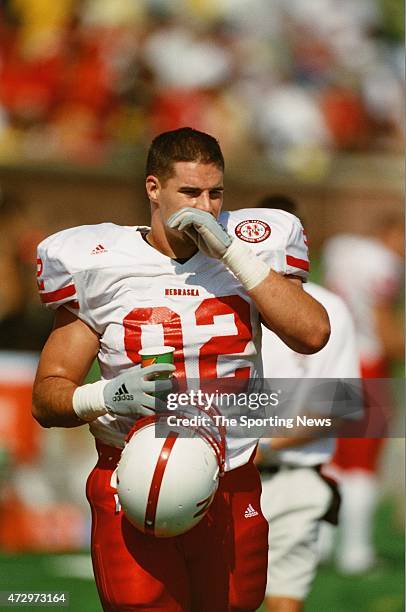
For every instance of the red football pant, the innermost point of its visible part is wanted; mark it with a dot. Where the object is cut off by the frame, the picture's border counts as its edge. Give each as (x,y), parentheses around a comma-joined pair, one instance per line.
(362,453)
(218,566)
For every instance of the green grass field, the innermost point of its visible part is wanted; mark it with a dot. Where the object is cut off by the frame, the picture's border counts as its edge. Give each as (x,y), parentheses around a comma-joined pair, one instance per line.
(381,590)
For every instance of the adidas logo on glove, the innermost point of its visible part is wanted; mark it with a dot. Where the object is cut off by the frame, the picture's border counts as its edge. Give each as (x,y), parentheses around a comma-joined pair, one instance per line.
(122,394)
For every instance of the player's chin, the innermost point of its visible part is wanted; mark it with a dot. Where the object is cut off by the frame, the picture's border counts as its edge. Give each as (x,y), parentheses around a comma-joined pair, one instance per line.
(188,240)
(181,237)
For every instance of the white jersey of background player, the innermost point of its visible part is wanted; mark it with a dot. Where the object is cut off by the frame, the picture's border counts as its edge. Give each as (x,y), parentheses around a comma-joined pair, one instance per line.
(135,297)
(364,272)
(338,359)
(296,497)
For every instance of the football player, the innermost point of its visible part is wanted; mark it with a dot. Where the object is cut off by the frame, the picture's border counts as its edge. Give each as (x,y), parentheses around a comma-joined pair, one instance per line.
(295,495)
(200,282)
(367,272)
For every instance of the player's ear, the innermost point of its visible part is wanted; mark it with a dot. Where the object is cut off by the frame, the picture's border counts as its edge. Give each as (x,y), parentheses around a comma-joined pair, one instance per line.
(152,186)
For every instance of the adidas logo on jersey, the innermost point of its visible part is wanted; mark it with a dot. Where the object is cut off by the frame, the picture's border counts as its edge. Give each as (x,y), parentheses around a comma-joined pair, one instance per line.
(99,249)
(250,512)
(122,395)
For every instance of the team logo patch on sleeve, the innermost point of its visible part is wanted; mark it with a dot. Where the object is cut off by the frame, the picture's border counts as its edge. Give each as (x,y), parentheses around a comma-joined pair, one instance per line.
(253,230)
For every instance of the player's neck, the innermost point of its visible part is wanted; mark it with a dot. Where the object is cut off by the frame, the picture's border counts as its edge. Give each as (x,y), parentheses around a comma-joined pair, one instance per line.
(170,245)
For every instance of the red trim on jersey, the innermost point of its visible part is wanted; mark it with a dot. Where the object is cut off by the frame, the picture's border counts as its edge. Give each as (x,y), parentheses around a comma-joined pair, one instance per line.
(303,264)
(59,294)
(152,503)
(40,266)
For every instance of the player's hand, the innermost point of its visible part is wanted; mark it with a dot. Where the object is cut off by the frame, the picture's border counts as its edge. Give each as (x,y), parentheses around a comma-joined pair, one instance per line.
(205,231)
(135,392)
(211,238)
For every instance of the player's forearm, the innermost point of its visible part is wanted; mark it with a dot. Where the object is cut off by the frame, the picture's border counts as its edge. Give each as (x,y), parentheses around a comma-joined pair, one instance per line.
(59,401)
(52,403)
(294,315)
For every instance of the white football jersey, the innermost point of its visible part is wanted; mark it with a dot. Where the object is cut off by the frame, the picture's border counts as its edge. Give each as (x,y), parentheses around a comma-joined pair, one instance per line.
(338,359)
(135,297)
(363,272)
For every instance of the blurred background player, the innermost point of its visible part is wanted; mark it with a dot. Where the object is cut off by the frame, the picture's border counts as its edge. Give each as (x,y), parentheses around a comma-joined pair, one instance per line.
(295,496)
(367,272)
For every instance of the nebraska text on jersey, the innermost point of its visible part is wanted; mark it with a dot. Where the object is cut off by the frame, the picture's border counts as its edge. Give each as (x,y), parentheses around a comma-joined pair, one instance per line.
(253,230)
(130,297)
(182,291)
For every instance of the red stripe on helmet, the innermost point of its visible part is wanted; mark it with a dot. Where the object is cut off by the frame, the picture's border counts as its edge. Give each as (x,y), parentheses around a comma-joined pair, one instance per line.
(155,488)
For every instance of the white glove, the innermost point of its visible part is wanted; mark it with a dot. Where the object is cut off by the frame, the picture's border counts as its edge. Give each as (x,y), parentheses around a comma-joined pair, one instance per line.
(132,393)
(211,238)
(205,231)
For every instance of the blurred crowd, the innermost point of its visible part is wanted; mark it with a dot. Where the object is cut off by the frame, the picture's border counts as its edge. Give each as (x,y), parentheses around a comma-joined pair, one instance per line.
(24,325)
(86,81)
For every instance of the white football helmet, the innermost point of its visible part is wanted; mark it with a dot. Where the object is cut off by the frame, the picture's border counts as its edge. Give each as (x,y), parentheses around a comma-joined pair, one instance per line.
(166,484)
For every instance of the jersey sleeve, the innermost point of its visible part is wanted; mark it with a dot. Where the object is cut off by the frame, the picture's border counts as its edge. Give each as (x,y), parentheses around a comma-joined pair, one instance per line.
(55,281)
(276,236)
(387,283)
(297,257)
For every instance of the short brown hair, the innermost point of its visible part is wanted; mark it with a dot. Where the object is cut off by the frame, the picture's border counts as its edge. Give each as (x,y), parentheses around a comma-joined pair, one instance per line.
(280,202)
(182,145)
